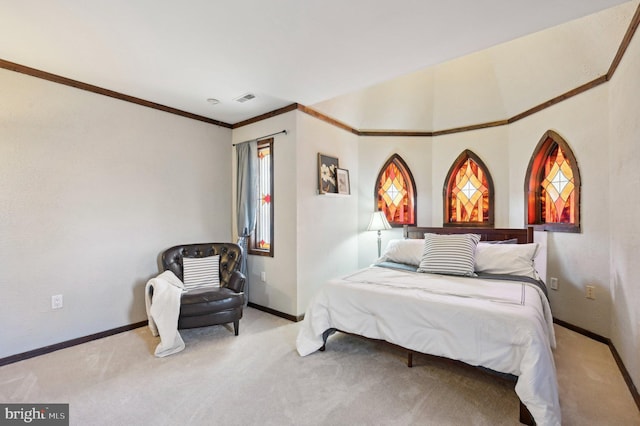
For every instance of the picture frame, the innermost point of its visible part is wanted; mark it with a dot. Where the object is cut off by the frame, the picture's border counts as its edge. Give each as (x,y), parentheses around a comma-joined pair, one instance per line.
(342,181)
(327,166)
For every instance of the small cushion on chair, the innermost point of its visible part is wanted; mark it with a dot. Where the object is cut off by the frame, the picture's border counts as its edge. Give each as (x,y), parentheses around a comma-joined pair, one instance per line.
(206,301)
(201,272)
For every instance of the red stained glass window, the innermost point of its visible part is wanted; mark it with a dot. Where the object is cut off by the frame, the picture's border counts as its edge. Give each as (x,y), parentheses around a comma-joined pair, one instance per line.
(395,192)
(262,239)
(553,186)
(468,192)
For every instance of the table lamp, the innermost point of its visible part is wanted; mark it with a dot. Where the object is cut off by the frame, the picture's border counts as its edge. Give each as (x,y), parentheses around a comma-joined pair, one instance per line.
(378,222)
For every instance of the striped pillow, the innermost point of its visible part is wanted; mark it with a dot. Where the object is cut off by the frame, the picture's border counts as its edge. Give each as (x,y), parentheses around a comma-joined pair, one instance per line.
(201,272)
(449,254)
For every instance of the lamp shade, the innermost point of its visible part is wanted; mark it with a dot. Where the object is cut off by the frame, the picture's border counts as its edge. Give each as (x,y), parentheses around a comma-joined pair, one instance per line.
(378,222)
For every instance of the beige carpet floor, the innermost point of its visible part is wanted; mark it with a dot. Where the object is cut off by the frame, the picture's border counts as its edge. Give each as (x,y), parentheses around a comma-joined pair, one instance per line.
(258,378)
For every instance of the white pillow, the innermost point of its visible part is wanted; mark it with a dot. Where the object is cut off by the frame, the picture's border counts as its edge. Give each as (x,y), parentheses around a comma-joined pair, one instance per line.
(449,254)
(507,259)
(408,252)
(201,272)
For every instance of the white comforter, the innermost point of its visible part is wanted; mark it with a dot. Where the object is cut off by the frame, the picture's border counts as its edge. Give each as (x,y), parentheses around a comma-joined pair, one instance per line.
(502,325)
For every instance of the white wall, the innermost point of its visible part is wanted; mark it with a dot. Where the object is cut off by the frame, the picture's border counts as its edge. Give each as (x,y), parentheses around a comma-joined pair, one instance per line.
(577,260)
(373,153)
(92,190)
(492,146)
(279,292)
(327,223)
(624,140)
(330,231)
(315,236)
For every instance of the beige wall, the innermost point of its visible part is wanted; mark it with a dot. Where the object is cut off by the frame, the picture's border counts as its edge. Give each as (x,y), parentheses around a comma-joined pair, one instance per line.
(582,259)
(624,158)
(279,291)
(327,224)
(92,190)
(315,236)
(373,153)
(576,260)
(492,146)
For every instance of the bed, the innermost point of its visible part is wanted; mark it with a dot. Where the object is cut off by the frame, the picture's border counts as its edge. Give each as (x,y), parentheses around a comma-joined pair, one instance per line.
(423,295)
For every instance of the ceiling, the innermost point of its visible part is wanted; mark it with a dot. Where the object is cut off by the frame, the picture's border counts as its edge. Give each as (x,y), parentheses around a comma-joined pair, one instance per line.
(492,85)
(337,55)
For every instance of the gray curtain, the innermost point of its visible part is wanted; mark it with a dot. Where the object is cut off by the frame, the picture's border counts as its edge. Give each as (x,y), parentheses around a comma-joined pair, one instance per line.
(246,200)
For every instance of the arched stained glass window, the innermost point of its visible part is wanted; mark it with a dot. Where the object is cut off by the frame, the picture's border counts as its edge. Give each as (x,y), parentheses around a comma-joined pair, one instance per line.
(395,192)
(553,186)
(468,193)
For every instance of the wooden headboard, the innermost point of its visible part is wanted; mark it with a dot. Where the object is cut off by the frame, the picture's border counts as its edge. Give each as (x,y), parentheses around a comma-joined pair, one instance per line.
(523,235)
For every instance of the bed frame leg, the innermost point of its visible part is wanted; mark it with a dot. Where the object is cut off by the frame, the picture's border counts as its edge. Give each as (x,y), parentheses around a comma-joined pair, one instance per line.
(410,359)
(325,336)
(525,416)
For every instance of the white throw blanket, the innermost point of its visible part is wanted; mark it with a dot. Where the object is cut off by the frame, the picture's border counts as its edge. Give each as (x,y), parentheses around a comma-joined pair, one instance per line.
(163,310)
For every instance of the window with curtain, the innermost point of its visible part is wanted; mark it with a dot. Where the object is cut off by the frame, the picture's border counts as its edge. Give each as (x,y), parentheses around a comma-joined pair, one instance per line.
(468,193)
(395,192)
(261,242)
(552,187)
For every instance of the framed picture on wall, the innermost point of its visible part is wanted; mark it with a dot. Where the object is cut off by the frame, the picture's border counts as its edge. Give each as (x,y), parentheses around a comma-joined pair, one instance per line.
(342,181)
(327,167)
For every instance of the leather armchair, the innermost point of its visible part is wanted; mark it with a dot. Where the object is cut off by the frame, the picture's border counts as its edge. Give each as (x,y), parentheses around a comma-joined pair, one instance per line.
(201,308)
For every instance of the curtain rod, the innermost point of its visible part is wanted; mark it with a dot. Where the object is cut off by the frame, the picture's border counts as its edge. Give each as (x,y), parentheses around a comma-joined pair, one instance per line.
(262,137)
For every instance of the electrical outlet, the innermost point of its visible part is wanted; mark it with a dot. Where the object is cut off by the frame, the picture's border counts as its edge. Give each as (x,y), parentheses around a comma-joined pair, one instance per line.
(56,301)
(263,277)
(591,292)
(553,283)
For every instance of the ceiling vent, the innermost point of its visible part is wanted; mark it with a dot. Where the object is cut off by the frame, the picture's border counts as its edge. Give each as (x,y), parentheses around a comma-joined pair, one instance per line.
(245,98)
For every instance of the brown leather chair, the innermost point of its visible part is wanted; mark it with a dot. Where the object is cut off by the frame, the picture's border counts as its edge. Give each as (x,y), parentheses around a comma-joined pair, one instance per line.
(201,308)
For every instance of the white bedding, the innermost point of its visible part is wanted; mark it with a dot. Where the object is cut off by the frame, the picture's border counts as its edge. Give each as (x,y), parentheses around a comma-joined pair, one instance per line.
(502,325)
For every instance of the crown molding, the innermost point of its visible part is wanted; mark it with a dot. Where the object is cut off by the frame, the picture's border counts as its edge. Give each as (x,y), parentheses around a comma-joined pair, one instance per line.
(626,40)
(622,49)
(266,116)
(33,72)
